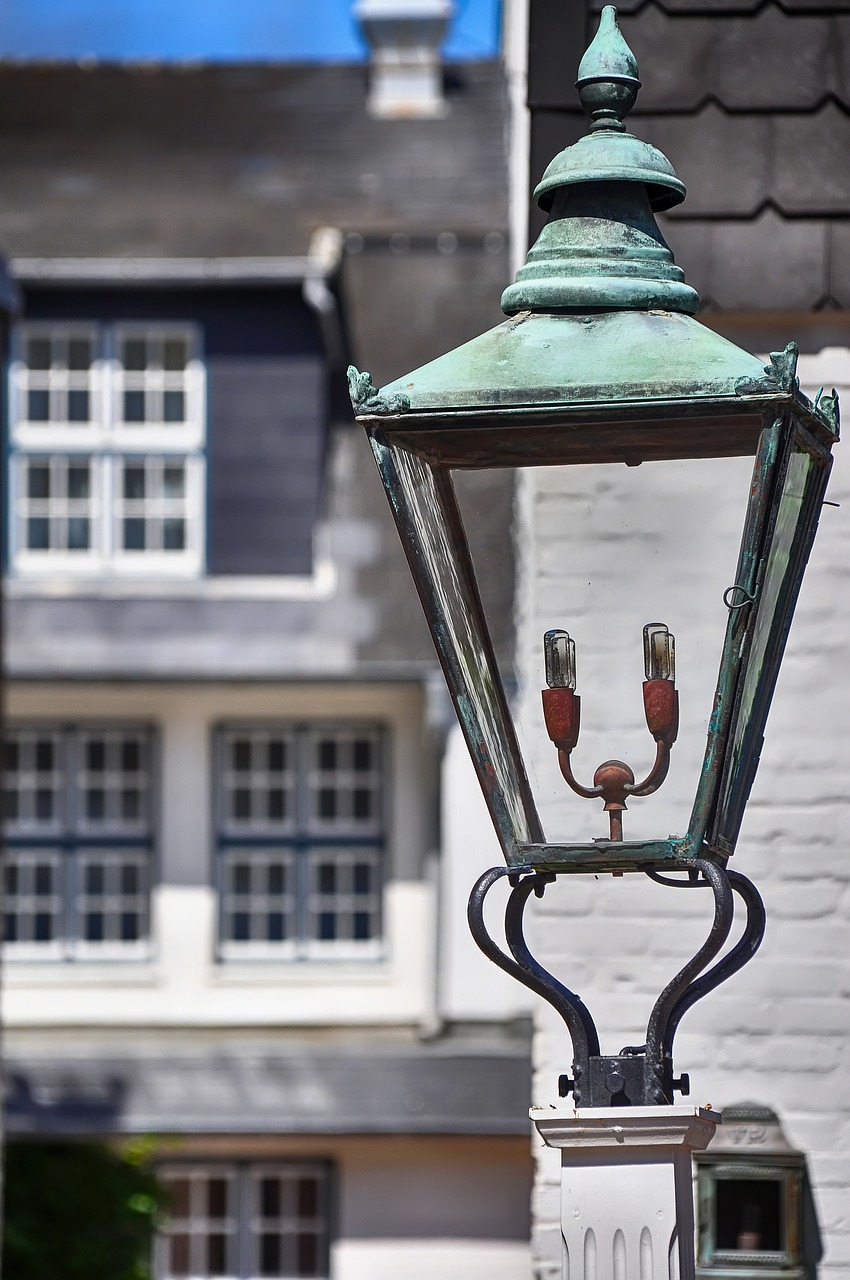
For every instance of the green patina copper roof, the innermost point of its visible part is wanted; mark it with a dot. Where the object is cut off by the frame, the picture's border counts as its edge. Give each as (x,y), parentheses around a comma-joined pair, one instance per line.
(562,359)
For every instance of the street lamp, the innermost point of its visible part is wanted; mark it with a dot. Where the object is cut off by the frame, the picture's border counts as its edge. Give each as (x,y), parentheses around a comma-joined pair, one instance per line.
(601,362)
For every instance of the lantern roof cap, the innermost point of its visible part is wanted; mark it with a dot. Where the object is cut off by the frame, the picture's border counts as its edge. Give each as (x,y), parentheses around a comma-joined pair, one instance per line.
(601,246)
(608,86)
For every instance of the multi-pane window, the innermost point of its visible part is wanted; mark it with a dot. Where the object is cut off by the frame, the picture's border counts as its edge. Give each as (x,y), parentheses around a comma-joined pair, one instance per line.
(107,433)
(241,1222)
(77,866)
(301,840)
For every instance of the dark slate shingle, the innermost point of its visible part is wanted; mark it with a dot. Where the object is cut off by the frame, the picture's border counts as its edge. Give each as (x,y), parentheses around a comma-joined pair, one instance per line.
(110,161)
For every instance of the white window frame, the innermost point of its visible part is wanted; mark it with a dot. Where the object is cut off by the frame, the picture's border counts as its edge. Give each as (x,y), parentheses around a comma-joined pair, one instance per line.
(56,435)
(153,437)
(69,841)
(243,1226)
(108,444)
(303,841)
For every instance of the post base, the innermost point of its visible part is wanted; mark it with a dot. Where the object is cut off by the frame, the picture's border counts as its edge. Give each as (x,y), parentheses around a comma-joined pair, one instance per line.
(627,1205)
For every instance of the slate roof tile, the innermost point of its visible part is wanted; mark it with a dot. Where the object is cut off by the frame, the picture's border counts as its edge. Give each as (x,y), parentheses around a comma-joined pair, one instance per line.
(722,6)
(768,262)
(734,165)
(770,60)
(213,161)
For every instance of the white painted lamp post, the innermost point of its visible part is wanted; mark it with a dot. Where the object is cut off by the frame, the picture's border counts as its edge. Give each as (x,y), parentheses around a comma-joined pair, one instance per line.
(601,362)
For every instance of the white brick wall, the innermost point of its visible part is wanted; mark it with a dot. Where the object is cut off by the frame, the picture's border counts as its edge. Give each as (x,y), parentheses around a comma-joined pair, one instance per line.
(777,1032)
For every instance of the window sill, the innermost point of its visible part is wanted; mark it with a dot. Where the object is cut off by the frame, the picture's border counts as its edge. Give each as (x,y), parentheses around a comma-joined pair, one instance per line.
(320,585)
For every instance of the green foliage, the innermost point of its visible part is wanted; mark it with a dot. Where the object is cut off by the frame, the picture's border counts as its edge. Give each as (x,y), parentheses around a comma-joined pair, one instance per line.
(79,1211)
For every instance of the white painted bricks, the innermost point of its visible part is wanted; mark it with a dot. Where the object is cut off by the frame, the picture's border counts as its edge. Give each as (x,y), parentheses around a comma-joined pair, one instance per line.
(627,1209)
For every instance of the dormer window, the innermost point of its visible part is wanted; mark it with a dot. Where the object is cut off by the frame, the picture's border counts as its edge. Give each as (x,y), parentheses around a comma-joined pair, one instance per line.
(107,436)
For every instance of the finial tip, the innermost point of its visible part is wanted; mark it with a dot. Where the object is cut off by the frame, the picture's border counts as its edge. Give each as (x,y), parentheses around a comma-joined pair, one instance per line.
(608,75)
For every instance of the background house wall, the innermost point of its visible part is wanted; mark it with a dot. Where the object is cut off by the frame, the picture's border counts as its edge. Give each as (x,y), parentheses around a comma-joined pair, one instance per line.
(267,210)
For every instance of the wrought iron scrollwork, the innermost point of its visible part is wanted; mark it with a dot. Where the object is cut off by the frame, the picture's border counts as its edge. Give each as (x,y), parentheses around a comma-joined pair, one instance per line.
(639,1074)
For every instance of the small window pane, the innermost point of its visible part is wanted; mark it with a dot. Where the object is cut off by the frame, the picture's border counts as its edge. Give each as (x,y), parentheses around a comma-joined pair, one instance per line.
(95,803)
(134,482)
(38,353)
(94,926)
(308,1197)
(270,1197)
(178,1255)
(277,878)
(43,878)
(173,534)
(129,926)
(362,879)
(173,481)
(38,481)
(78,480)
(174,354)
(129,878)
(38,405)
(217,1198)
(173,406)
(135,354)
(134,534)
(43,804)
(79,538)
(43,927)
(78,406)
(134,406)
(217,1254)
(94,878)
(131,803)
(269,1254)
(44,755)
(96,755)
(38,534)
(79,353)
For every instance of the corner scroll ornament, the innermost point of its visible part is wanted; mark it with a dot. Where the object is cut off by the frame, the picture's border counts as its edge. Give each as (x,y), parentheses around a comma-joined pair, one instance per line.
(781,375)
(827,407)
(365,398)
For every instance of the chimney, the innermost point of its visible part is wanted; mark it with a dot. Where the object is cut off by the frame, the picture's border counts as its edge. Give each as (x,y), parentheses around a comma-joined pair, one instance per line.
(404,36)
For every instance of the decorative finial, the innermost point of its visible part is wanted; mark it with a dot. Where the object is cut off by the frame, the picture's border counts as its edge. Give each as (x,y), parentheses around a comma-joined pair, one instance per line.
(608,76)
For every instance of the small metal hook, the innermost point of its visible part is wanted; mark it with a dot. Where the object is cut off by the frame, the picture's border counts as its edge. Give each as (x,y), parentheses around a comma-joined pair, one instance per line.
(729,593)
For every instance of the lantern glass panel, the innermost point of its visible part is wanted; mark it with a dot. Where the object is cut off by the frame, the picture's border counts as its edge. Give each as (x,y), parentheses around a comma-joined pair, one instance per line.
(433,536)
(626,546)
(791,521)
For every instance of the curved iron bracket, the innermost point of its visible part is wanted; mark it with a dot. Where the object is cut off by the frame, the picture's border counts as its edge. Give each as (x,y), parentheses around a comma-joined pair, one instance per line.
(642,1074)
(739,955)
(522,965)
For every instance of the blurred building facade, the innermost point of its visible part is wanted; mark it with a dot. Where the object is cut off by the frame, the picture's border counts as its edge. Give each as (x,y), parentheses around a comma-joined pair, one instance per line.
(750,103)
(231,824)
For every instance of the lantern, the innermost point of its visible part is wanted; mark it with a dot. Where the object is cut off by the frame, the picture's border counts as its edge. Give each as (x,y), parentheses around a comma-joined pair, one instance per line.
(601,361)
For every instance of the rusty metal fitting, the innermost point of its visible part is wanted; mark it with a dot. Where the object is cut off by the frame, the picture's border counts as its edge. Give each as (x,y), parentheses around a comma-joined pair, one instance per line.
(612,780)
(661,705)
(562,713)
